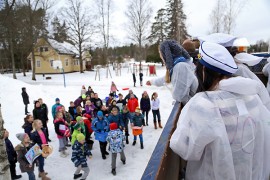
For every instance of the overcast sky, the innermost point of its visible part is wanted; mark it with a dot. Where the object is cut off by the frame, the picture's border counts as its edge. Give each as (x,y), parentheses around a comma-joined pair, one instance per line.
(253,22)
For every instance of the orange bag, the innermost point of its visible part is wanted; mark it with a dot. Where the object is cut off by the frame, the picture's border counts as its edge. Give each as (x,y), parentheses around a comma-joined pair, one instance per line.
(136,131)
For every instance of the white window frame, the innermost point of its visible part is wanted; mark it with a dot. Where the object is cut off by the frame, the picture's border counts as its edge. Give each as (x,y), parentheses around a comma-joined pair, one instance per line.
(67,62)
(38,63)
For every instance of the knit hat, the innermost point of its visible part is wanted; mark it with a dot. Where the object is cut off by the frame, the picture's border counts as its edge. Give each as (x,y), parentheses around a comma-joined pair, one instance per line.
(21,136)
(80,137)
(170,50)
(83,96)
(78,118)
(57,99)
(217,58)
(137,110)
(113,126)
(99,114)
(58,108)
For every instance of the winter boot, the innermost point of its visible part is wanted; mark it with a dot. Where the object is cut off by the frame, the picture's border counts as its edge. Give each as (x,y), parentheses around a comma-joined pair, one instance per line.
(107,153)
(127,142)
(147,122)
(159,125)
(124,162)
(44,177)
(76,176)
(113,172)
(39,174)
(103,156)
(155,124)
(141,145)
(134,142)
(64,154)
(16,176)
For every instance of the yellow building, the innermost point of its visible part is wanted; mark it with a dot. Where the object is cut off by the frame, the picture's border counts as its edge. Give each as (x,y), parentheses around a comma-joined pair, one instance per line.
(49,50)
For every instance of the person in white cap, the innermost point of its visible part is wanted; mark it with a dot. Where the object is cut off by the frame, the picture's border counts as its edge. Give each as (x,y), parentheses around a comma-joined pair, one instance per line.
(223,130)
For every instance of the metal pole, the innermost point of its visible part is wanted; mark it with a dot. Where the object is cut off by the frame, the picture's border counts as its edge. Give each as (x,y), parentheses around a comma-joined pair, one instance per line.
(64,77)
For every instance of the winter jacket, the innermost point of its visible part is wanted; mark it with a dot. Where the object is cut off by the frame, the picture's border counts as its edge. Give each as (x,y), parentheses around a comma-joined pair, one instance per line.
(83,130)
(100,125)
(45,107)
(41,114)
(88,124)
(25,97)
(90,109)
(155,104)
(98,103)
(72,111)
(113,88)
(123,102)
(118,119)
(145,104)
(109,101)
(115,139)
(60,132)
(137,120)
(24,164)
(27,128)
(125,117)
(54,107)
(74,136)
(128,97)
(79,153)
(12,155)
(134,77)
(141,76)
(132,104)
(36,138)
(78,101)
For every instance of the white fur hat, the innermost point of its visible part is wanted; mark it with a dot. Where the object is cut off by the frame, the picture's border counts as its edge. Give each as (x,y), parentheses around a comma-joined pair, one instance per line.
(217,58)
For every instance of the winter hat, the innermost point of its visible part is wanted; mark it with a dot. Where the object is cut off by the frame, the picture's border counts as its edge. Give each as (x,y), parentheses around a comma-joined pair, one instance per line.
(137,110)
(78,118)
(111,94)
(80,137)
(99,114)
(21,136)
(57,99)
(83,96)
(113,126)
(58,108)
(171,51)
(217,58)
(222,39)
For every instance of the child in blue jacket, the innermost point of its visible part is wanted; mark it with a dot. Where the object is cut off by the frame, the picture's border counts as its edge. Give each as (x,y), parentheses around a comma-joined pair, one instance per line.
(100,126)
(79,152)
(117,118)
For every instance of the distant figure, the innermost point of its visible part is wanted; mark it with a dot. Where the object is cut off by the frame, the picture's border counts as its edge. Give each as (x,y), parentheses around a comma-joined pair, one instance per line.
(134,79)
(113,88)
(57,103)
(83,90)
(141,78)
(25,99)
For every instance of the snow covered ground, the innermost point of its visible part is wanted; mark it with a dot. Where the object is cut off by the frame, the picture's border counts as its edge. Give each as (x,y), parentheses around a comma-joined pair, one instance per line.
(62,168)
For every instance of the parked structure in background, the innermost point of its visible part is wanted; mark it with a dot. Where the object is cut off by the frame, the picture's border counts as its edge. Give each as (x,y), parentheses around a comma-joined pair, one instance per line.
(48,50)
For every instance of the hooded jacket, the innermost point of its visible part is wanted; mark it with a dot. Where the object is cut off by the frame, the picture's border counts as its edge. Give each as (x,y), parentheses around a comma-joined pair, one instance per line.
(115,139)
(24,164)
(223,133)
(25,96)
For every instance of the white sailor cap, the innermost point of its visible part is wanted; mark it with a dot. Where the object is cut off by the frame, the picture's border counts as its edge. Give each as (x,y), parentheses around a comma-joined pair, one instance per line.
(217,58)
(241,42)
(225,40)
(248,59)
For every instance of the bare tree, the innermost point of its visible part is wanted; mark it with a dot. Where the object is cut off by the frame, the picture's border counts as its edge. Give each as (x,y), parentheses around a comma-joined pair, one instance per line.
(79,26)
(104,12)
(233,9)
(217,16)
(139,13)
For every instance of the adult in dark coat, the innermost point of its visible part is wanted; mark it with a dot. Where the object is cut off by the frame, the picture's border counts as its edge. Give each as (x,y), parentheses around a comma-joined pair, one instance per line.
(12,156)
(141,78)
(145,105)
(134,79)
(41,114)
(25,100)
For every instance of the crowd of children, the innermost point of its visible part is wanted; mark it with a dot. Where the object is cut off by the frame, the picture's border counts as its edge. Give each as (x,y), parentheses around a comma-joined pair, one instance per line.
(108,119)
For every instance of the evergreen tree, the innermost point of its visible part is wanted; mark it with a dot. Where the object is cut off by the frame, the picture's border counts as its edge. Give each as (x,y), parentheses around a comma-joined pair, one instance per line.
(176,17)
(59,30)
(158,29)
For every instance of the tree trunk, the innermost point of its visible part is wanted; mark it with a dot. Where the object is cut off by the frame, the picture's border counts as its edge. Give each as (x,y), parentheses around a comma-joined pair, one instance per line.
(12,55)
(33,64)
(4,165)
(23,65)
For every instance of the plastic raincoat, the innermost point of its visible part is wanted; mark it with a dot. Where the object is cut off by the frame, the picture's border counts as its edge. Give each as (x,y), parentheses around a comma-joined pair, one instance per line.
(184,83)
(224,134)
(266,70)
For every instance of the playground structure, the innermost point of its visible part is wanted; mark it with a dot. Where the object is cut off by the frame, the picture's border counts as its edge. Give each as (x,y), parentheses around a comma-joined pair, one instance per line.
(149,69)
(108,72)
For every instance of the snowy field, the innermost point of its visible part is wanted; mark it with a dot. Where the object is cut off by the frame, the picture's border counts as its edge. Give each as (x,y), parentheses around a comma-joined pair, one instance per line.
(62,168)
